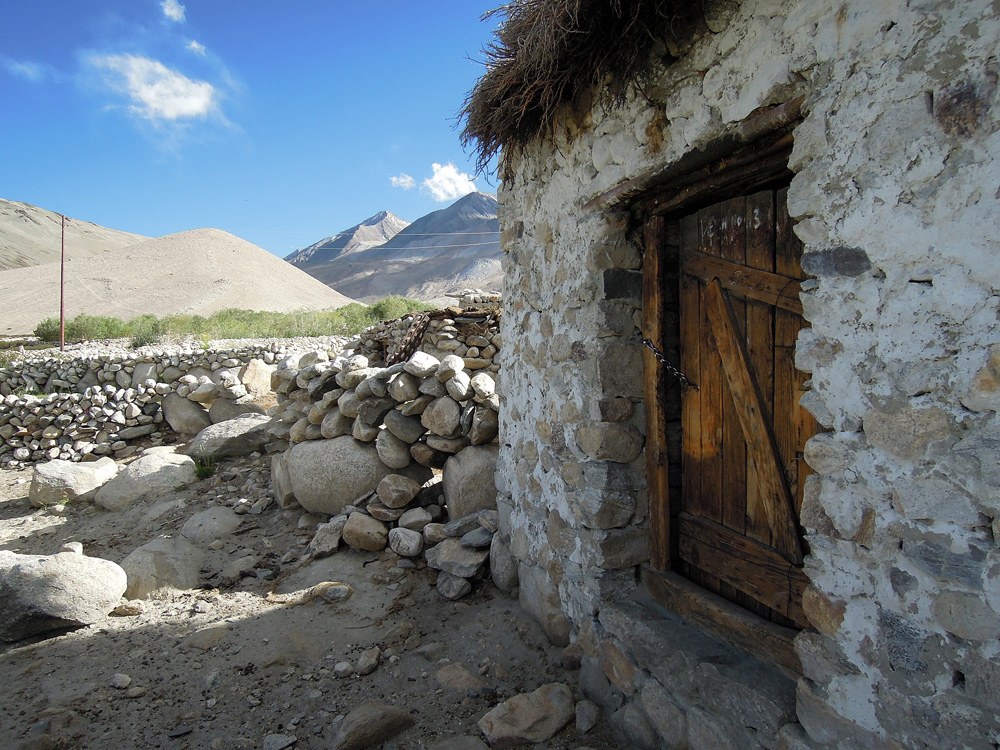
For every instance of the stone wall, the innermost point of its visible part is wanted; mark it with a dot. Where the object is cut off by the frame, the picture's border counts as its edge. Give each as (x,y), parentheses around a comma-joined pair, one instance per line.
(358,444)
(421,410)
(471,333)
(73,405)
(895,197)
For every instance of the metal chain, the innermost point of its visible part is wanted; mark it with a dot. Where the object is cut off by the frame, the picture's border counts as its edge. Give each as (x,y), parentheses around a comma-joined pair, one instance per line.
(684,379)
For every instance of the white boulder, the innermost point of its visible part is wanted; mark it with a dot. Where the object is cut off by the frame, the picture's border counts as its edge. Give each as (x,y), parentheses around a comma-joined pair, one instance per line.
(58,482)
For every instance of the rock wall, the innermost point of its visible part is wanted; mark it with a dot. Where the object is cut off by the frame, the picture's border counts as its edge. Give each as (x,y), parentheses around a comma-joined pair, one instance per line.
(470,333)
(357,444)
(421,410)
(97,403)
(895,199)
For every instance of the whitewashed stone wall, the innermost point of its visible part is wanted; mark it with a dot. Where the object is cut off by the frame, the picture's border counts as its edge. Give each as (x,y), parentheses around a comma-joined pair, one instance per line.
(896,199)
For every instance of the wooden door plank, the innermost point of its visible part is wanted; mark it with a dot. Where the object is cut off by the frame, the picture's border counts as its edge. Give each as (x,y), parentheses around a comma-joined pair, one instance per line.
(760,340)
(747,282)
(732,624)
(690,345)
(756,423)
(734,453)
(747,565)
(787,380)
(657,477)
(712,391)
(709,501)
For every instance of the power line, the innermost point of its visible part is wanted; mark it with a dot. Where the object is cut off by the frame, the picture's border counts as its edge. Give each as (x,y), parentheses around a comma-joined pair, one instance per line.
(435,247)
(438,234)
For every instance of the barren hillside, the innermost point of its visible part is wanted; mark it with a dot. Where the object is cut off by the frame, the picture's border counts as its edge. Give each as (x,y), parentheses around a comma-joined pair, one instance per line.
(30,236)
(199,271)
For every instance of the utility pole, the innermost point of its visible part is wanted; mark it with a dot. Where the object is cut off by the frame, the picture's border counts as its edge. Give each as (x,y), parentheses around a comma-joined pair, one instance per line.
(62,290)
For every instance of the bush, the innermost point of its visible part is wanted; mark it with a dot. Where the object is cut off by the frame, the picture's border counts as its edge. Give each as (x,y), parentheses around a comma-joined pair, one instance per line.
(395,306)
(94,328)
(144,330)
(48,330)
(232,324)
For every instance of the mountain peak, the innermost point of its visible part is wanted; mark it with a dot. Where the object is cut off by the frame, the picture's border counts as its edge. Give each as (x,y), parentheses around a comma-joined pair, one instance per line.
(373,231)
(379,217)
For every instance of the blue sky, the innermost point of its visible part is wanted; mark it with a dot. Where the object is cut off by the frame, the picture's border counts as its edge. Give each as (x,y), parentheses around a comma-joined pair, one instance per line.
(281,122)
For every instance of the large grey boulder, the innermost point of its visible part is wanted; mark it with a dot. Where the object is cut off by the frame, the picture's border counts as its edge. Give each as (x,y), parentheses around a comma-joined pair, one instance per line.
(235,437)
(468,480)
(150,474)
(210,524)
(184,416)
(227,408)
(369,725)
(529,718)
(161,566)
(39,593)
(58,482)
(328,475)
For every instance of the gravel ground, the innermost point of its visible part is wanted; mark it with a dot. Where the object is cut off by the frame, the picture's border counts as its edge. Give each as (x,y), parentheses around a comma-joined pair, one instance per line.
(224,667)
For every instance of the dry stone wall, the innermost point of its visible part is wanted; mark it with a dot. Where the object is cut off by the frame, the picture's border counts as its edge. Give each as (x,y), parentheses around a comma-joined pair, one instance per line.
(72,406)
(895,199)
(471,333)
(357,444)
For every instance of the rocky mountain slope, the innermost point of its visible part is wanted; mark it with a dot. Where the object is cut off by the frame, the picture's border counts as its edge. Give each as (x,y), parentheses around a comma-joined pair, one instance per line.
(371,232)
(199,271)
(454,248)
(30,236)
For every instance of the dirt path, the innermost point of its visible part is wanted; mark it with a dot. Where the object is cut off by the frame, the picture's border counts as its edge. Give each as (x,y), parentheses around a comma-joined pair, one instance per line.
(221,667)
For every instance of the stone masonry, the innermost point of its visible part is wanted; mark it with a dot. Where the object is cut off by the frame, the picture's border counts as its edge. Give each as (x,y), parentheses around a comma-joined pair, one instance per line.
(895,197)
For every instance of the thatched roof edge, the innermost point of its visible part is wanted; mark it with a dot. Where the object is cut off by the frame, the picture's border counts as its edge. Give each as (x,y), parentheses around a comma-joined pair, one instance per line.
(547,52)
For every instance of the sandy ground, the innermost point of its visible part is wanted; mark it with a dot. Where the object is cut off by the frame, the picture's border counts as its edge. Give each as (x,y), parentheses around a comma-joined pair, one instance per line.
(222,667)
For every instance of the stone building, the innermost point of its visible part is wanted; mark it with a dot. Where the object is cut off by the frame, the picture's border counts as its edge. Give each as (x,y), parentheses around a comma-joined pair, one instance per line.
(796,202)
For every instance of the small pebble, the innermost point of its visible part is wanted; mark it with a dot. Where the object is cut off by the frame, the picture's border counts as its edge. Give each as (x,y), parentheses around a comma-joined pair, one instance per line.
(120,681)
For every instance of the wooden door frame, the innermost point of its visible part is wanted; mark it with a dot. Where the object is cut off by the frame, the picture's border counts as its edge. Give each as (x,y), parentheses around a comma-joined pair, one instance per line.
(764,165)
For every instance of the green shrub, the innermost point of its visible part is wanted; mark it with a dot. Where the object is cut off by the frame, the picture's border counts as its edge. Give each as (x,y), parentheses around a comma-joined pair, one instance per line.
(48,330)
(144,330)
(232,324)
(94,328)
(395,306)
(204,467)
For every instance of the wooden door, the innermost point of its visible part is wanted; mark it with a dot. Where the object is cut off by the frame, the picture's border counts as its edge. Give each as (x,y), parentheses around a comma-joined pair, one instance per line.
(743,430)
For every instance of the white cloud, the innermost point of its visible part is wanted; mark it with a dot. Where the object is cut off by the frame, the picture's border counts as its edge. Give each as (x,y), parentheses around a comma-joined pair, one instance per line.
(198,49)
(173,10)
(448,183)
(403,181)
(27,70)
(156,91)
